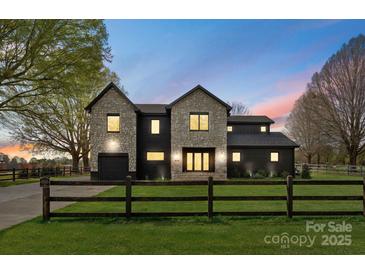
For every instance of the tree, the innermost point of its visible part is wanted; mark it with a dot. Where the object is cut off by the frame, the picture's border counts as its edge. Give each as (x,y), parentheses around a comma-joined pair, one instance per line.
(339,89)
(36,56)
(239,108)
(303,128)
(59,123)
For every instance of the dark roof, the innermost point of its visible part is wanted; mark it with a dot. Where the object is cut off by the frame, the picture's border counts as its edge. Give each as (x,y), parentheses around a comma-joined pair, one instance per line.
(249,119)
(273,139)
(105,90)
(199,87)
(152,108)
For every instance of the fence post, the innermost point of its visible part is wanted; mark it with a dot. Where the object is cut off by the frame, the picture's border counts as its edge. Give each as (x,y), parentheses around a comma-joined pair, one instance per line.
(44,182)
(13,174)
(27,173)
(64,171)
(210,197)
(128,197)
(70,171)
(363,197)
(289,200)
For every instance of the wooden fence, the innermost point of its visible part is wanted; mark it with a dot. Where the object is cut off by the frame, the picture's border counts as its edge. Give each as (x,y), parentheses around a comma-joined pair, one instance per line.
(14,174)
(210,198)
(338,169)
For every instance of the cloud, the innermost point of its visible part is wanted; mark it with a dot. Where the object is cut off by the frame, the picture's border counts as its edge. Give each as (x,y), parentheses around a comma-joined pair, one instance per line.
(277,107)
(17,150)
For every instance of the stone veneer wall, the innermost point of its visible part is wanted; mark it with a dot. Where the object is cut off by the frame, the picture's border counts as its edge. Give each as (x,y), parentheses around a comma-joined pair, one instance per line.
(101,141)
(181,136)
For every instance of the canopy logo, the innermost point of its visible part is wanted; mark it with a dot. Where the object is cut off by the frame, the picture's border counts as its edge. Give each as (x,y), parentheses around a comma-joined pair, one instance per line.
(285,240)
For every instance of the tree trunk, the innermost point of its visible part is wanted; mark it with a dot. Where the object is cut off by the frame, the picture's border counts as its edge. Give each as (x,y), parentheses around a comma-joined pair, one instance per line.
(318,158)
(75,163)
(353,157)
(86,162)
(309,158)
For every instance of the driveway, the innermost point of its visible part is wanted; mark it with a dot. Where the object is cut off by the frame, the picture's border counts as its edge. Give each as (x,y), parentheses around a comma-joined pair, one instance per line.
(23,202)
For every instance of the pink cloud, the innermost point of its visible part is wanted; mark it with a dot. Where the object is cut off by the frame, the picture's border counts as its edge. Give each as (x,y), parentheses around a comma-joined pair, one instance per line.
(278,106)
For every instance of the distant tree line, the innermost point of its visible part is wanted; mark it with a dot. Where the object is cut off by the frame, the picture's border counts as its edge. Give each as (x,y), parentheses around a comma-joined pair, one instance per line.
(328,120)
(7,162)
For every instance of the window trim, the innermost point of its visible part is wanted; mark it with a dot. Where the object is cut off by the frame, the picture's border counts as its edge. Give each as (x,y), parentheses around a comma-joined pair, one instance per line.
(239,153)
(211,157)
(163,154)
(159,127)
(107,125)
(278,156)
(198,113)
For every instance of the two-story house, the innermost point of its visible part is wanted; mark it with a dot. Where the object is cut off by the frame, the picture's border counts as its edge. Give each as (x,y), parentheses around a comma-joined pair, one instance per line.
(193,137)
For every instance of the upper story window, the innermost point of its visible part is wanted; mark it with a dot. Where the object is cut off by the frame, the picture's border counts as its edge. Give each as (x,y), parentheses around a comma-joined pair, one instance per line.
(113,123)
(155,126)
(199,121)
(274,156)
(229,128)
(263,129)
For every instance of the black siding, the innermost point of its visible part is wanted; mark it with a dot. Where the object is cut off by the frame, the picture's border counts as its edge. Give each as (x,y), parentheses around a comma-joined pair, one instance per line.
(248,129)
(255,159)
(153,142)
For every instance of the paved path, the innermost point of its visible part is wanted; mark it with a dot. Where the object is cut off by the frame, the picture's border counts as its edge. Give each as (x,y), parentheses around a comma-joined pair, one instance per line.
(23,202)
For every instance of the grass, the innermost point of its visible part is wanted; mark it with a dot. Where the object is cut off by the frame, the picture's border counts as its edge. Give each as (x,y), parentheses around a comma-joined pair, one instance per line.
(28,181)
(191,235)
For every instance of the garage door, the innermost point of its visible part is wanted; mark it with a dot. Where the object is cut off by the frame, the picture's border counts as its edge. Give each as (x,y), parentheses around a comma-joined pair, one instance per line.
(113,166)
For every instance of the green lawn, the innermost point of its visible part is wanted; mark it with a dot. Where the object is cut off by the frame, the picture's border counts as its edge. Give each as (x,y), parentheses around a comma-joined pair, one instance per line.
(190,235)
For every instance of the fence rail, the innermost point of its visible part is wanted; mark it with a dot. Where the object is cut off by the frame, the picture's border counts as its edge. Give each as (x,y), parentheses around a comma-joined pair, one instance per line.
(338,169)
(14,174)
(46,183)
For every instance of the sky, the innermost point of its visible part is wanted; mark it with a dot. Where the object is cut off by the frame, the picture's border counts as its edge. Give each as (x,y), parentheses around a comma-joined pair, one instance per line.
(265,64)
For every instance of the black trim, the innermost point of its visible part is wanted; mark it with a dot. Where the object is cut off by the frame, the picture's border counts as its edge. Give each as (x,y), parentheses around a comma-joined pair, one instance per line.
(107,125)
(211,152)
(198,113)
(105,90)
(199,87)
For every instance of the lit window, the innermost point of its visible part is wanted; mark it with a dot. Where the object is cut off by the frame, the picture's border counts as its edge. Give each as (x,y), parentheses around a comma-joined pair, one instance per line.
(263,128)
(189,161)
(198,161)
(205,161)
(229,128)
(274,157)
(236,156)
(155,156)
(155,126)
(113,121)
(204,122)
(199,122)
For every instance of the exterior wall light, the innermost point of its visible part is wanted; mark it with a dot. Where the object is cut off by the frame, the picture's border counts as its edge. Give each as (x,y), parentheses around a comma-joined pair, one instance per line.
(176,157)
(112,145)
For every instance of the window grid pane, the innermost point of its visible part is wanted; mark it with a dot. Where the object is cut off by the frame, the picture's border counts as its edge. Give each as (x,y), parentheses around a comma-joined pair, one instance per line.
(155,126)
(263,128)
(206,161)
(194,122)
(204,122)
(113,123)
(229,129)
(197,161)
(189,159)
(155,156)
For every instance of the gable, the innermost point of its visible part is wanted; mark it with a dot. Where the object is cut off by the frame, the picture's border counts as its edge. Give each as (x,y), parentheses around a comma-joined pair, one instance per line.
(196,89)
(113,88)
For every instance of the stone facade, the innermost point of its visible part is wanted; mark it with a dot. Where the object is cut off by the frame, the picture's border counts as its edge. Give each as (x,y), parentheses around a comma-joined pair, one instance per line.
(123,142)
(181,136)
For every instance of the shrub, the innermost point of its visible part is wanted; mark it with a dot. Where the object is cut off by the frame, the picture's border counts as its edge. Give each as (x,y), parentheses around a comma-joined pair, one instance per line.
(284,174)
(262,173)
(306,172)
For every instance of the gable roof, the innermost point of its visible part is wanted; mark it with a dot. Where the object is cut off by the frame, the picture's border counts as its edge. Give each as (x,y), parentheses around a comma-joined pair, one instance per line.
(104,91)
(249,119)
(199,87)
(152,108)
(273,139)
